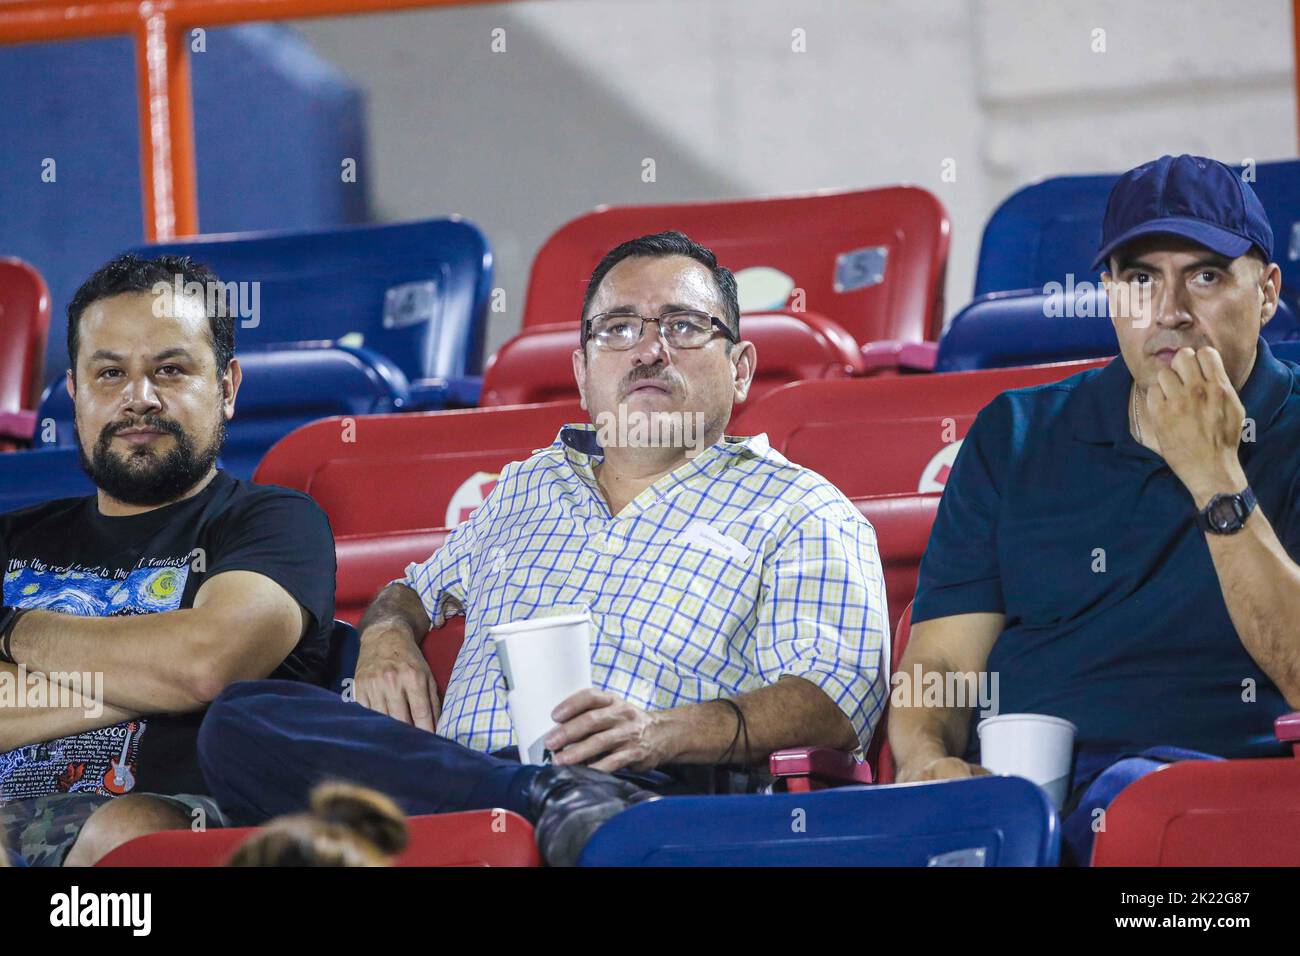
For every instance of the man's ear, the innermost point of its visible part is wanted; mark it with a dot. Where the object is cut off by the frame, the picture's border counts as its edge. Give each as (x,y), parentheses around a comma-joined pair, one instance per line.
(70,381)
(229,382)
(580,374)
(1272,284)
(744,362)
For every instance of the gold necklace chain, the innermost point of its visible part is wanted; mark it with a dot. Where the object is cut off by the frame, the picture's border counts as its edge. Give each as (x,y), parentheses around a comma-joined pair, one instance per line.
(1137,422)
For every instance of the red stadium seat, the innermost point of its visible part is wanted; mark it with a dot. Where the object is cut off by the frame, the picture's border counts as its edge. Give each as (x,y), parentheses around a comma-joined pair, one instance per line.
(1206,813)
(473,838)
(380,473)
(367,562)
(536,366)
(24,325)
(902,524)
(888,435)
(872,260)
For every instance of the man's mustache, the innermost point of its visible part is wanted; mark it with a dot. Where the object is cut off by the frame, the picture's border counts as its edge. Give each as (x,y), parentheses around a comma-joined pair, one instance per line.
(145,421)
(649,373)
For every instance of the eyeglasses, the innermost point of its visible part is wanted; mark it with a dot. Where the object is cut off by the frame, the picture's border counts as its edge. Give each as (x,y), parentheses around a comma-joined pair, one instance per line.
(619,331)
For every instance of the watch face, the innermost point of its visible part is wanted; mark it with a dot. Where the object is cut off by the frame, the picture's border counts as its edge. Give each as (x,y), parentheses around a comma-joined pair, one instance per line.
(1224,512)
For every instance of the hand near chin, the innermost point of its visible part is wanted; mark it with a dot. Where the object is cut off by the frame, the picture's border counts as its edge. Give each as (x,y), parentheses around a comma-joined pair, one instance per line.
(1197,418)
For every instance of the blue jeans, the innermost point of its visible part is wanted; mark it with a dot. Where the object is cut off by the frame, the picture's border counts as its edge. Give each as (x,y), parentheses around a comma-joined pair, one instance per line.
(1098,780)
(265,744)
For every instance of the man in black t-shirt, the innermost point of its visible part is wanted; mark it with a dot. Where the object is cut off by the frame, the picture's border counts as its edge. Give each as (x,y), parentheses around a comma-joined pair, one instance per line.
(126,612)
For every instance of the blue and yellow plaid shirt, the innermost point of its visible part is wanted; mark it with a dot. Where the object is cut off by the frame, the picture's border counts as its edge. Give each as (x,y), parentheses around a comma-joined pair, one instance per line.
(734,570)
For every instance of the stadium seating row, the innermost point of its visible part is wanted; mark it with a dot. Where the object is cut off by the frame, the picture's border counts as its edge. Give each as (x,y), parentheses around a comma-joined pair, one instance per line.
(872,436)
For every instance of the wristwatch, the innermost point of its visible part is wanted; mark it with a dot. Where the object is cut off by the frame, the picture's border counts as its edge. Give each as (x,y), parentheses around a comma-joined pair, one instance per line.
(1226,514)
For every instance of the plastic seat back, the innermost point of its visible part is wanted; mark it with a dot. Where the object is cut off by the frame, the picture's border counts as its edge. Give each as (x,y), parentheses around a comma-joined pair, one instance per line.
(414,292)
(1206,813)
(24,327)
(1051,229)
(902,524)
(41,474)
(887,435)
(986,821)
(872,260)
(434,467)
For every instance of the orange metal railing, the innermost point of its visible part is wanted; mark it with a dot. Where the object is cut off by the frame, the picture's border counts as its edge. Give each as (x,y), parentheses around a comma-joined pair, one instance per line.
(159,28)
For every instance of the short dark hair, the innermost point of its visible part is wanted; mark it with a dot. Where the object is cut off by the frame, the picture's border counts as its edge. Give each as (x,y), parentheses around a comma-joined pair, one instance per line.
(658,245)
(130,273)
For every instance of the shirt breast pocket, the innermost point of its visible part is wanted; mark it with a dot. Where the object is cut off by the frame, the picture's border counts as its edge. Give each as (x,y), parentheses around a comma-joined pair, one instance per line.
(700,599)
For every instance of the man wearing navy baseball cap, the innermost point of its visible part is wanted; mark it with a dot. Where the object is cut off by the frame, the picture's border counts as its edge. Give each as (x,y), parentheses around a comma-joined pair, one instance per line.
(1120,547)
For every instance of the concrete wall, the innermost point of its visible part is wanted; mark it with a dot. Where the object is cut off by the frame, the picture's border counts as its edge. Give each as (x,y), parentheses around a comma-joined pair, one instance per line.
(714,91)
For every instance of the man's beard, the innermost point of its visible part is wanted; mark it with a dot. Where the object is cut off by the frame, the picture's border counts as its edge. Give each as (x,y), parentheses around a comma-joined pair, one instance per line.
(143,476)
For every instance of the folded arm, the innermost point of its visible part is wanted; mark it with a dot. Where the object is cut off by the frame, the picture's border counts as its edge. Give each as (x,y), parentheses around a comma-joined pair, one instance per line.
(241,627)
(40,709)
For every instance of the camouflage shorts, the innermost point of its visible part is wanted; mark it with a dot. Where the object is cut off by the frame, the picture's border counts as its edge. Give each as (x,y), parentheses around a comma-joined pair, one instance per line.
(43,829)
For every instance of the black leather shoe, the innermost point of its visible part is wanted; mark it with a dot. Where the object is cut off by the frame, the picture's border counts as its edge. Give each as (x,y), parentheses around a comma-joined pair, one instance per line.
(569,805)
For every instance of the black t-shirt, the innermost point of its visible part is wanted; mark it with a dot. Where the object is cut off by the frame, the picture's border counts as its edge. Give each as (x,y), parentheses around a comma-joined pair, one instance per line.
(65,556)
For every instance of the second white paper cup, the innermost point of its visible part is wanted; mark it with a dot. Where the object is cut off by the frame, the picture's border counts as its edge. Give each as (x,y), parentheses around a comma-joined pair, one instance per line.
(549,658)
(1034,746)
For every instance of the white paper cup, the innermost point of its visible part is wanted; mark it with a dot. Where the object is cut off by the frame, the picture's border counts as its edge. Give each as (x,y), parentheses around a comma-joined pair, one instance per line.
(545,660)
(1034,746)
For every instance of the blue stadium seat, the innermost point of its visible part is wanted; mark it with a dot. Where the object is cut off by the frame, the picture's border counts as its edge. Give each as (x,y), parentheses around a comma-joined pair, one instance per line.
(1278,187)
(41,474)
(983,821)
(1029,328)
(414,292)
(1051,229)
(282,389)
(1043,233)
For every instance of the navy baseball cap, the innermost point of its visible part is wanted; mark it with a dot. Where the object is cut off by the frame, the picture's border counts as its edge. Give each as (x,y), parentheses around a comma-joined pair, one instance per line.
(1190,196)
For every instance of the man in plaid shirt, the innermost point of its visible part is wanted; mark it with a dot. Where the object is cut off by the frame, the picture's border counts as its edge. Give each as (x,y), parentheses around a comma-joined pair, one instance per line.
(737,599)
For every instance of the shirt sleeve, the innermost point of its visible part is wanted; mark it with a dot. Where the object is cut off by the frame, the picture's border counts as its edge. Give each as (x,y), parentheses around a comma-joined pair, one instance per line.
(442,579)
(823,614)
(285,536)
(959,573)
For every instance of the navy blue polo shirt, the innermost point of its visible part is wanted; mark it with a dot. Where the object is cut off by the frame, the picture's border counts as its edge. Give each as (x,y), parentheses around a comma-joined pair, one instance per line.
(1048,489)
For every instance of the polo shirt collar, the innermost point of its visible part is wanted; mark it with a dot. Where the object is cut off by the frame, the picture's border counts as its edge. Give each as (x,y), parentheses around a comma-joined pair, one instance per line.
(1099,413)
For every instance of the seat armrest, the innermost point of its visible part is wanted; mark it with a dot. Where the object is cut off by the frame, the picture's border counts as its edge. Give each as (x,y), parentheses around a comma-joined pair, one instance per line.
(1287,728)
(436,394)
(814,768)
(898,354)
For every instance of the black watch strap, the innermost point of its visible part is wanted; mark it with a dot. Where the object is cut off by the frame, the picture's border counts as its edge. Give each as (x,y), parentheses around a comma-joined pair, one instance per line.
(1226,514)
